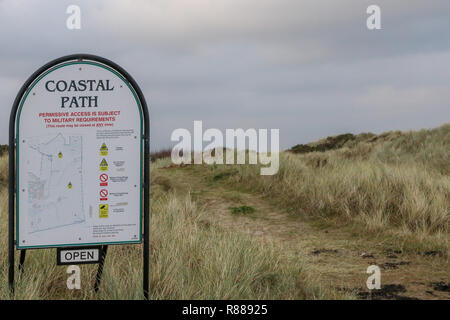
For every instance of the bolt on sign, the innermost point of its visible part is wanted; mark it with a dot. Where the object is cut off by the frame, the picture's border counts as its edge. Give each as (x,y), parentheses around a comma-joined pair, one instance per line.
(72,118)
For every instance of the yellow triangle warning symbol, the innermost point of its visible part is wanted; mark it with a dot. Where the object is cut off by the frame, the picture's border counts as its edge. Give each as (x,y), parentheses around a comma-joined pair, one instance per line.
(104,150)
(103,165)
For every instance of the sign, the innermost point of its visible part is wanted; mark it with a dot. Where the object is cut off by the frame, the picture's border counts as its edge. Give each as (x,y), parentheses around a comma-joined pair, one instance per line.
(104,150)
(103,195)
(104,180)
(79,129)
(82,255)
(79,164)
(103,211)
(104,165)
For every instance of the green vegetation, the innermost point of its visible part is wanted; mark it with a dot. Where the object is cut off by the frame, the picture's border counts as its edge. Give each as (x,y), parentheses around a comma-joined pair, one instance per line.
(242,210)
(395,181)
(3,149)
(329,143)
(161,154)
(224,175)
(345,195)
(193,259)
(189,259)
(3,171)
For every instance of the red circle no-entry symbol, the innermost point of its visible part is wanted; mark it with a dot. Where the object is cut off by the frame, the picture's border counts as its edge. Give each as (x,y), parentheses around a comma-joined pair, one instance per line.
(103,193)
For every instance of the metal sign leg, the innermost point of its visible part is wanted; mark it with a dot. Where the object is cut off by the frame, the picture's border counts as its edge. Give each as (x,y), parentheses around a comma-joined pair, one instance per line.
(11,267)
(146,266)
(11,200)
(98,279)
(22,260)
(146,248)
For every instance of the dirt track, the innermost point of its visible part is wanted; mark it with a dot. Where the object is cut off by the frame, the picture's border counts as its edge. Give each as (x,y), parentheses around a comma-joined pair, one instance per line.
(336,257)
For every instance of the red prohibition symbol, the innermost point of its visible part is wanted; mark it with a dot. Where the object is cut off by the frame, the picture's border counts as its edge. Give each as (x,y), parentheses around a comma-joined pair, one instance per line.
(103,193)
(103,177)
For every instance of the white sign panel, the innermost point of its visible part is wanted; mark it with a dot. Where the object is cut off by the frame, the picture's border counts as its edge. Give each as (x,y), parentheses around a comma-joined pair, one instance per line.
(79,151)
(79,256)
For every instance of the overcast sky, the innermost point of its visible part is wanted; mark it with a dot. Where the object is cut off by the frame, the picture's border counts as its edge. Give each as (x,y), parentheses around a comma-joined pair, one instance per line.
(309,68)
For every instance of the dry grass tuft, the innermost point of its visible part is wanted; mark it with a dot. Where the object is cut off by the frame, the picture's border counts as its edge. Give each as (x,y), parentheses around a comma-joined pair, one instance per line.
(395,181)
(4,171)
(189,259)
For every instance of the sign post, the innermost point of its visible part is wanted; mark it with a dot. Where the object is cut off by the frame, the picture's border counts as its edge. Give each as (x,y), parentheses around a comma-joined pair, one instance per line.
(79,163)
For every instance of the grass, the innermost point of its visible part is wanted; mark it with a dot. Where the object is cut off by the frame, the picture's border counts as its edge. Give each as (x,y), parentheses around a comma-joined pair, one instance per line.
(3,149)
(160,154)
(394,185)
(193,260)
(395,182)
(329,143)
(3,171)
(245,210)
(189,259)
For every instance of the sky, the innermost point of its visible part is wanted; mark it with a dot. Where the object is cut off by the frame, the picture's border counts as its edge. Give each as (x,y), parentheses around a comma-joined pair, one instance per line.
(308,68)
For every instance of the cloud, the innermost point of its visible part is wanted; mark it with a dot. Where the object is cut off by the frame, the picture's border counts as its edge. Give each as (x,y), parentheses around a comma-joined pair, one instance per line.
(389,100)
(309,68)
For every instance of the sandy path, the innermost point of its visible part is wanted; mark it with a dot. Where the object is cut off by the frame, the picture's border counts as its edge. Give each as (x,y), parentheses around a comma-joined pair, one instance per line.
(331,255)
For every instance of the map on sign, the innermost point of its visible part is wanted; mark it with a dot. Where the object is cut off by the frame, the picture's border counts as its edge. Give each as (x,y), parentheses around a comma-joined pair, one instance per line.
(54,174)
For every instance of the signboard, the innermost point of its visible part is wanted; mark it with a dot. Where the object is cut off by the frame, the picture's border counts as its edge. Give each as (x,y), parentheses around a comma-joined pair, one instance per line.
(82,255)
(79,128)
(79,164)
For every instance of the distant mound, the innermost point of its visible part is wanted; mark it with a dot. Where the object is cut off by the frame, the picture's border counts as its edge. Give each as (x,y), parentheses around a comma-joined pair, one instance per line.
(349,140)
(3,149)
(430,148)
(329,143)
